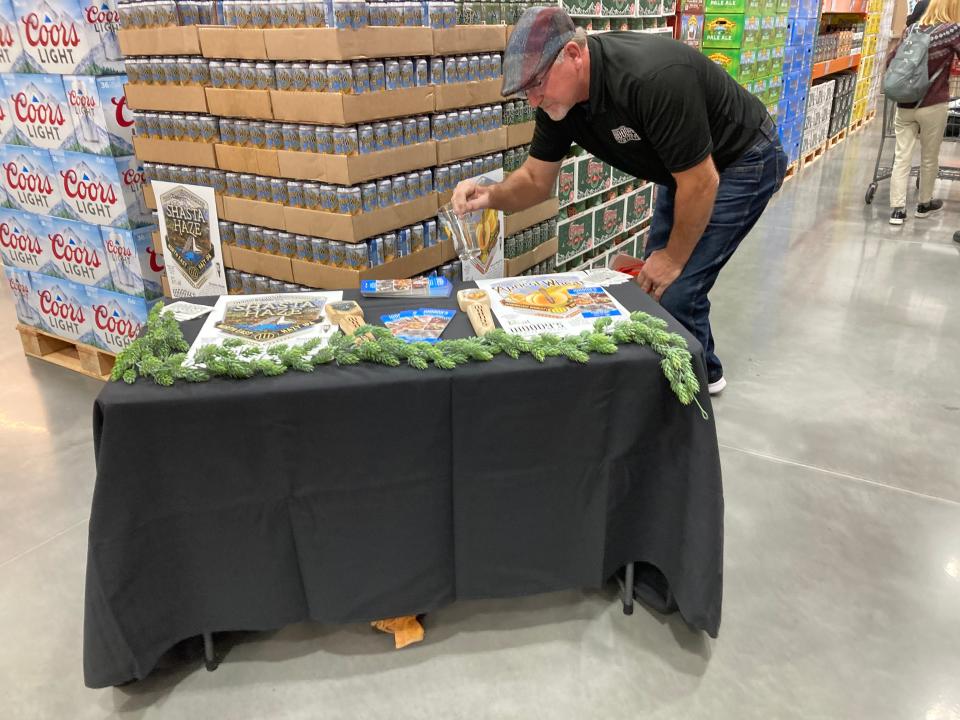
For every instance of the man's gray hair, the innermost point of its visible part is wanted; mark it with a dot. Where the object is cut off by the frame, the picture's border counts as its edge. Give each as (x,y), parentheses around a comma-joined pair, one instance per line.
(579,37)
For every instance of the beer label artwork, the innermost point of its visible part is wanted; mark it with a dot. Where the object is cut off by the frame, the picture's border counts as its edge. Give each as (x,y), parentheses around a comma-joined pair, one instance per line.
(191,240)
(557,304)
(421,325)
(261,321)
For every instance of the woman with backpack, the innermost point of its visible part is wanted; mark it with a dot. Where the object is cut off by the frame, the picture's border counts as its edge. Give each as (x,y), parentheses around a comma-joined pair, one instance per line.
(928,117)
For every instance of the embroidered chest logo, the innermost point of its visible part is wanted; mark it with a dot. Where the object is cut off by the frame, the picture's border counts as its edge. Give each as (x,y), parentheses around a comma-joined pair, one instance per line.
(624,134)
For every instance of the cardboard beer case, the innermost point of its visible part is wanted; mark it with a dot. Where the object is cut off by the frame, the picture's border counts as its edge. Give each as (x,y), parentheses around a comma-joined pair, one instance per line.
(117,319)
(134,265)
(101,190)
(70,37)
(13,58)
(78,253)
(62,308)
(18,283)
(103,124)
(38,111)
(23,243)
(28,180)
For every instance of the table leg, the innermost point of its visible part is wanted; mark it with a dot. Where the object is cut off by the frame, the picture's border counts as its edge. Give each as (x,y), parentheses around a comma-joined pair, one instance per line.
(628,590)
(209,655)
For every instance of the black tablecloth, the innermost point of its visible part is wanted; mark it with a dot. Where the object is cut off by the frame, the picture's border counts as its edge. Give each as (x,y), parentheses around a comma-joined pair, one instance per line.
(358,493)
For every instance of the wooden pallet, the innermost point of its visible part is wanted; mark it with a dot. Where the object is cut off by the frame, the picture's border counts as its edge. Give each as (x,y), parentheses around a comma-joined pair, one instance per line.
(858,125)
(812,156)
(792,170)
(837,139)
(84,359)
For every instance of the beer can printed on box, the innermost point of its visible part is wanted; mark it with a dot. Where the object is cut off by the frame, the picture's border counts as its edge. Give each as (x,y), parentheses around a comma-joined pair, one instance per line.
(62,308)
(134,266)
(29,179)
(23,244)
(68,37)
(38,111)
(78,252)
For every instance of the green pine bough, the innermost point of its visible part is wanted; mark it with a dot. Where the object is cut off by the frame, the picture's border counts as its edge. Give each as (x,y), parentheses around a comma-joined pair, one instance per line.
(159,354)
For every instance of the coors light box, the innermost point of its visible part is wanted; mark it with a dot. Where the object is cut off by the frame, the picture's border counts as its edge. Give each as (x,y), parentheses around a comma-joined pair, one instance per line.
(20,287)
(28,180)
(12,56)
(78,253)
(23,243)
(70,37)
(134,265)
(102,122)
(117,319)
(62,307)
(101,190)
(38,110)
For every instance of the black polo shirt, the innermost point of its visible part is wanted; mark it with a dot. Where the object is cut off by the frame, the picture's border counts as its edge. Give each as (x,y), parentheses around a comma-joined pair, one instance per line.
(656,106)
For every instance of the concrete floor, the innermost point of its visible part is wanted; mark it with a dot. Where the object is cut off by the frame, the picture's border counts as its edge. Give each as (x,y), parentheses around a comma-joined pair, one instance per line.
(840,432)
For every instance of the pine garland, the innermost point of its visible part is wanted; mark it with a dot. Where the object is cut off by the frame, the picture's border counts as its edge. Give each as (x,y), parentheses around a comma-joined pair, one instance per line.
(160,352)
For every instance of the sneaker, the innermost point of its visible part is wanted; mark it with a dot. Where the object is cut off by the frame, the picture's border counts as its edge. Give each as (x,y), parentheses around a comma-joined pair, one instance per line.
(928,208)
(956,236)
(898,216)
(717,386)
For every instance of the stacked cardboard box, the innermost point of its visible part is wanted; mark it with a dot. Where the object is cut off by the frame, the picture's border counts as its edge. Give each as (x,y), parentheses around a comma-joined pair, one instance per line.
(603,211)
(70,186)
(816,128)
(842,106)
(873,59)
(689,23)
(747,38)
(802,23)
(264,148)
(651,16)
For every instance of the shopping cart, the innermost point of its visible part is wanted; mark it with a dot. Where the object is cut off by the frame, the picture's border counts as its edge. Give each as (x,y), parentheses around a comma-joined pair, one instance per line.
(951,134)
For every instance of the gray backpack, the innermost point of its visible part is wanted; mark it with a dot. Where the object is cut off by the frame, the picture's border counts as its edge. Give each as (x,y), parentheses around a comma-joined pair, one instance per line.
(908,79)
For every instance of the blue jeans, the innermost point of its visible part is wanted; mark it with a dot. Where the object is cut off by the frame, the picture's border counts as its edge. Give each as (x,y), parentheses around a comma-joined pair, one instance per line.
(745,189)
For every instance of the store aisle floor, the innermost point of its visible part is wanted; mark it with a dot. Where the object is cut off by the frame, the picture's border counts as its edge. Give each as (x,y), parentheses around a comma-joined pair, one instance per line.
(839,433)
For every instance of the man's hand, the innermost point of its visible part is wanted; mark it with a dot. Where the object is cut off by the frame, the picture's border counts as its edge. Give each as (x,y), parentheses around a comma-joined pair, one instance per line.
(658,273)
(468,196)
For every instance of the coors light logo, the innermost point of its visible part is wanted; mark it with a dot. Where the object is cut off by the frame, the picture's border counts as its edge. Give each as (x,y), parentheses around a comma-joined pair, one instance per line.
(94,197)
(114,326)
(78,260)
(121,111)
(8,44)
(30,187)
(20,246)
(62,311)
(40,117)
(53,38)
(20,290)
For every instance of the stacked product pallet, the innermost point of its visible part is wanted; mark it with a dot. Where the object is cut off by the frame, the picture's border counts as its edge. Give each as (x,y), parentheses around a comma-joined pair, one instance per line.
(803,19)
(329,163)
(816,128)
(73,208)
(842,108)
(651,16)
(871,65)
(603,212)
(747,38)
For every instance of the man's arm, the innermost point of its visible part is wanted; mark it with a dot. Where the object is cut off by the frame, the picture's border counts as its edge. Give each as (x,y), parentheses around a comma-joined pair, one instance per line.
(693,205)
(523,188)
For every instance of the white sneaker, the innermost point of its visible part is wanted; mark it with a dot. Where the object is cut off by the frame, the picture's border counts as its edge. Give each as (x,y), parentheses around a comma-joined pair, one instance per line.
(715,388)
